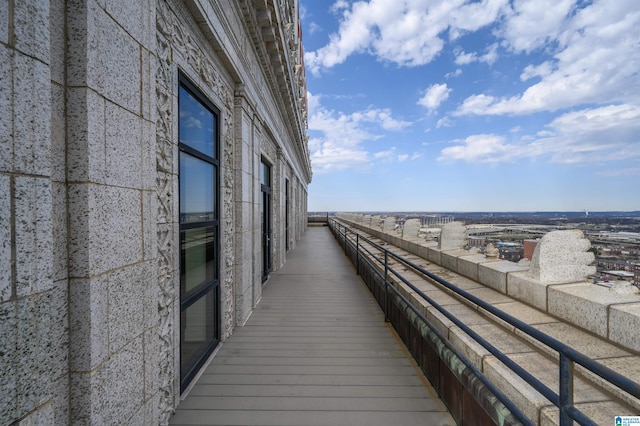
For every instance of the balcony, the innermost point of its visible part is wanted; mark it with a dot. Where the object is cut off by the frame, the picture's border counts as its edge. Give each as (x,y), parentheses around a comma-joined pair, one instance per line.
(317,349)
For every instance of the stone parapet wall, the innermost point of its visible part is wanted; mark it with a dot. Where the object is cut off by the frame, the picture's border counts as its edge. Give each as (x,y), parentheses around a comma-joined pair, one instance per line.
(613,316)
(491,280)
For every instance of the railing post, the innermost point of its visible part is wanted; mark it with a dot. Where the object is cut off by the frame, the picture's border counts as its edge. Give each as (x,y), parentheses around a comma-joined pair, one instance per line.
(357,254)
(566,389)
(386,286)
(345,240)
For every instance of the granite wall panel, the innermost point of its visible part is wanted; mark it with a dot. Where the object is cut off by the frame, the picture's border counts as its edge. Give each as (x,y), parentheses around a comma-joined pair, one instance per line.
(4,21)
(31,30)
(8,347)
(31,116)
(86,135)
(88,323)
(5,238)
(6,106)
(33,235)
(123,148)
(126,303)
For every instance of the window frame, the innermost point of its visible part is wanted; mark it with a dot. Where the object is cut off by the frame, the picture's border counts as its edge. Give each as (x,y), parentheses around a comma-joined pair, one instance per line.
(211,285)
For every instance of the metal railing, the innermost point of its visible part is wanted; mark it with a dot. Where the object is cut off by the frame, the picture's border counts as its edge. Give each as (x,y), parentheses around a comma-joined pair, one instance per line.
(318,218)
(361,255)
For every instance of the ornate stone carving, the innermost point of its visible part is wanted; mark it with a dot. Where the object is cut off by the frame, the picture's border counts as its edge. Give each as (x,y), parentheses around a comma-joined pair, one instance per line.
(411,228)
(174,37)
(228,222)
(453,236)
(389,225)
(491,251)
(562,256)
(164,189)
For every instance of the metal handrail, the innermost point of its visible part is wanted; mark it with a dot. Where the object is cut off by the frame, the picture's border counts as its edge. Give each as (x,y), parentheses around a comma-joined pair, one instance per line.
(567,355)
(483,379)
(318,217)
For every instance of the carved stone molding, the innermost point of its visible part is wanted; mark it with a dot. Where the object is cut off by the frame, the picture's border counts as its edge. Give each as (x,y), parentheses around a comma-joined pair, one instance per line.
(174,37)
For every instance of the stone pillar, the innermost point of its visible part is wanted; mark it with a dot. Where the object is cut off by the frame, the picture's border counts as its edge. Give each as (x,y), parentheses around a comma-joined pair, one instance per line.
(33,290)
(256,231)
(243,163)
(277,197)
(113,300)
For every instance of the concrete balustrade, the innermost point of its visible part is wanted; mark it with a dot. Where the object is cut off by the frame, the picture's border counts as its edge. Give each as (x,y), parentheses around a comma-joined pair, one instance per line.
(555,282)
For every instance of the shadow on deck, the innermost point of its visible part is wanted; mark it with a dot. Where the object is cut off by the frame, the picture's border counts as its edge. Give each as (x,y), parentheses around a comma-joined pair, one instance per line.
(316,351)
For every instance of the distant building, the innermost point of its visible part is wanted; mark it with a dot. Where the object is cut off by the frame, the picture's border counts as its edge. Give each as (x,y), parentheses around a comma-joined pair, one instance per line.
(529,248)
(154,167)
(436,221)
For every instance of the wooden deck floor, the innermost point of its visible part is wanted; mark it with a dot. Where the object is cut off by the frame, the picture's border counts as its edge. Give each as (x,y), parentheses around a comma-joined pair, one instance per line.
(316,351)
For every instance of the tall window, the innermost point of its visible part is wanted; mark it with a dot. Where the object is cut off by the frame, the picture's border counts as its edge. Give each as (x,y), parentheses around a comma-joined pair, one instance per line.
(287,207)
(199,230)
(265,211)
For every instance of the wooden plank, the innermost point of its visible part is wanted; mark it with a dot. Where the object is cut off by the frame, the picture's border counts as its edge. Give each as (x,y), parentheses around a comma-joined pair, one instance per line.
(315,350)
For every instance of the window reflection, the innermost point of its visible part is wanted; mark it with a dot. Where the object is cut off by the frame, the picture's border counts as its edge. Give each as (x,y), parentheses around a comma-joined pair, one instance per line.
(198,248)
(198,326)
(265,174)
(197,190)
(197,124)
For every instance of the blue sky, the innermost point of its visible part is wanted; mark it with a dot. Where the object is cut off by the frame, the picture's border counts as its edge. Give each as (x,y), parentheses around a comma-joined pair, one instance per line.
(458,105)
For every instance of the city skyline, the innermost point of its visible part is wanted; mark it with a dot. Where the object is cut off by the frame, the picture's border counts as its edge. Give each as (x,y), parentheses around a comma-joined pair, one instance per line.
(473,106)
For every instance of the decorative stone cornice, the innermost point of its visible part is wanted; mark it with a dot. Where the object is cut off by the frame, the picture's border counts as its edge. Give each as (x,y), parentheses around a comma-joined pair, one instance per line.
(275,29)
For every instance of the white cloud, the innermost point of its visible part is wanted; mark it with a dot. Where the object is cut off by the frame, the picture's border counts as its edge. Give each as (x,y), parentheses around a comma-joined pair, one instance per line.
(456,73)
(314,28)
(444,122)
(434,96)
(381,116)
(595,60)
(610,133)
(463,58)
(480,149)
(329,158)
(472,16)
(339,137)
(529,25)
(388,154)
(621,172)
(597,135)
(591,48)
(406,33)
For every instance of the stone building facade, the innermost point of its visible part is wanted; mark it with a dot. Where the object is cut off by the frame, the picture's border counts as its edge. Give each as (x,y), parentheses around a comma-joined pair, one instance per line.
(153,171)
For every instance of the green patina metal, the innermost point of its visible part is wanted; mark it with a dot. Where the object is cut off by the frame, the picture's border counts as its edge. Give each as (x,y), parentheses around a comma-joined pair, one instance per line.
(489,402)
(487,399)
